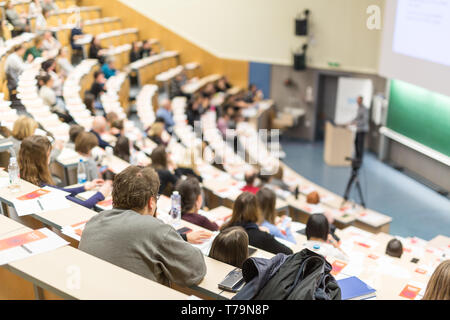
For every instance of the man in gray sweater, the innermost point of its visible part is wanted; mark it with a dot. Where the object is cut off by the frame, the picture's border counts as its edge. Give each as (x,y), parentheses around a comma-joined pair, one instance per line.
(130,236)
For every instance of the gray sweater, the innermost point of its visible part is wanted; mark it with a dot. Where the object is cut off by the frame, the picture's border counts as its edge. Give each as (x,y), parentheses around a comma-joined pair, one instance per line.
(144,245)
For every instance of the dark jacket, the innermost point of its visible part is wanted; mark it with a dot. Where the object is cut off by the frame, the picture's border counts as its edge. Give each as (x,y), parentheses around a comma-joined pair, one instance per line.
(256,273)
(263,240)
(101,143)
(303,276)
(165,177)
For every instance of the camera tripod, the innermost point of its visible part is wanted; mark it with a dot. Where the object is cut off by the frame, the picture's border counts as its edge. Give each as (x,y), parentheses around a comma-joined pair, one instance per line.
(354,178)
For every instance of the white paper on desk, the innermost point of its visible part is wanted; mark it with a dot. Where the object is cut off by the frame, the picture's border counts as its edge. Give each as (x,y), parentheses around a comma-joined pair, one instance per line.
(50,242)
(4,182)
(387,266)
(326,198)
(205,247)
(355,265)
(315,208)
(48,202)
(371,218)
(356,231)
(307,189)
(296,226)
(285,242)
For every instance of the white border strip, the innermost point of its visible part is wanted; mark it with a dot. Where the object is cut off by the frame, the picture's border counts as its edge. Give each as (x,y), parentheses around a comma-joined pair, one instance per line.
(415,145)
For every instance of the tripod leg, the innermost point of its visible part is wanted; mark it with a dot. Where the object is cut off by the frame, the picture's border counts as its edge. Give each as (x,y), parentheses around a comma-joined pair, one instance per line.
(358,186)
(349,185)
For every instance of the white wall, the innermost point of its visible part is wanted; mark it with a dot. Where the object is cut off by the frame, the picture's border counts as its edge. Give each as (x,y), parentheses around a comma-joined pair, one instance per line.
(263,30)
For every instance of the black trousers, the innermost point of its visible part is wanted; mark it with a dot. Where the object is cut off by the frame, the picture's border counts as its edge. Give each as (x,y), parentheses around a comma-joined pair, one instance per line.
(359,145)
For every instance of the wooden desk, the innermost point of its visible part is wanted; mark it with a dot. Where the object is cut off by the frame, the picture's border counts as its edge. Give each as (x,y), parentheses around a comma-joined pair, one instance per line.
(58,270)
(53,219)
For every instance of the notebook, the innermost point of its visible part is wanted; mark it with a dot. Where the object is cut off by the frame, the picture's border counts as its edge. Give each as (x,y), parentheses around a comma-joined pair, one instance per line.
(353,288)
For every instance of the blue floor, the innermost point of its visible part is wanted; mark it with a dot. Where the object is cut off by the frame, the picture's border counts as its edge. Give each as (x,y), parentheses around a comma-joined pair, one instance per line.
(416,210)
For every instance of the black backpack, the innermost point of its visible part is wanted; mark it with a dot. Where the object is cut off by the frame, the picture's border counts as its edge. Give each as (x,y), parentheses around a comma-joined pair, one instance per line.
(303,276)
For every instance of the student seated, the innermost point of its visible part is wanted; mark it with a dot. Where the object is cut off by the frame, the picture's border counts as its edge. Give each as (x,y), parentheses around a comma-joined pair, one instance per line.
(438,287)
(84,143)
(77,50)
(50,43)
(165,112)
(135,52)
(160,164)
(96,51)
(36,50)
(191,202)
(98,87)
(195,110)
(230,246)
(49,98)
(131,237)
(155,133)
(250,177)
(246,214)
(99,128)
(34,157)
(319,238)
(19,22)
(146,49)
(23,128)
(267,200)
(187,166)
(394,248)
(74,131)
(63,62)
(122,148)
(108,68)
(176,86)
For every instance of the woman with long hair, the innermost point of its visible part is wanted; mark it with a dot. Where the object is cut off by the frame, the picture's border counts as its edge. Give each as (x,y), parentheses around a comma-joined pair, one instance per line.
(230,246)
(160,164)
(246,214)
(267,201)
(34,159)
(191,202)
(438,288)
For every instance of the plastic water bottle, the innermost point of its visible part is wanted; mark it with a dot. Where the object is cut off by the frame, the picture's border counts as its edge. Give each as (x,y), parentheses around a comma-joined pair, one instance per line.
(14,174)
(81,172)
(175,212)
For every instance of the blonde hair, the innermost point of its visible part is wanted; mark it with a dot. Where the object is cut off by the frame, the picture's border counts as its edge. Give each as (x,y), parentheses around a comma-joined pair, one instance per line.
(24,127)
(438,287)
(188,159)
(156,129)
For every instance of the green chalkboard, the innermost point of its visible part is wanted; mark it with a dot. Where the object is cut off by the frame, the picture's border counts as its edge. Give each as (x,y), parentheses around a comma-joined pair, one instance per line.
(420,114)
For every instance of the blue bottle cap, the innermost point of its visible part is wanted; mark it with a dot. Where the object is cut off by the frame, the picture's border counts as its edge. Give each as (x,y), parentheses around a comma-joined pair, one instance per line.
(316,246)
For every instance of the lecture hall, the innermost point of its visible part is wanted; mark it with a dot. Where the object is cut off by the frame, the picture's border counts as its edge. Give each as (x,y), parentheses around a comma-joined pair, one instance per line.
(224,150)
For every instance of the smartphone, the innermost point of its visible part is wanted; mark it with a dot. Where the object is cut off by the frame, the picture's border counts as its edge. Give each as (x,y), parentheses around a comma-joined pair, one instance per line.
(103,169)
(184,230)
(414,260)
(233,281)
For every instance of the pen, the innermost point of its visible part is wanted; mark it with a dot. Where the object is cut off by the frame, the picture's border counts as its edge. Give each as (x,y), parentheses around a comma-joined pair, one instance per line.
(26,249)
(40,205)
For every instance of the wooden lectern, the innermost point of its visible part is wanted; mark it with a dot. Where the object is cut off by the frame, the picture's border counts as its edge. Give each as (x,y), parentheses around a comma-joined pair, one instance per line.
(339,144)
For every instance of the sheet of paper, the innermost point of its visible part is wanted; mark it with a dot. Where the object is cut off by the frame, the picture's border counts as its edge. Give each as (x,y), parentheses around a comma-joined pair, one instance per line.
(205,247)
(29,244)
(44,203)
(4,182)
